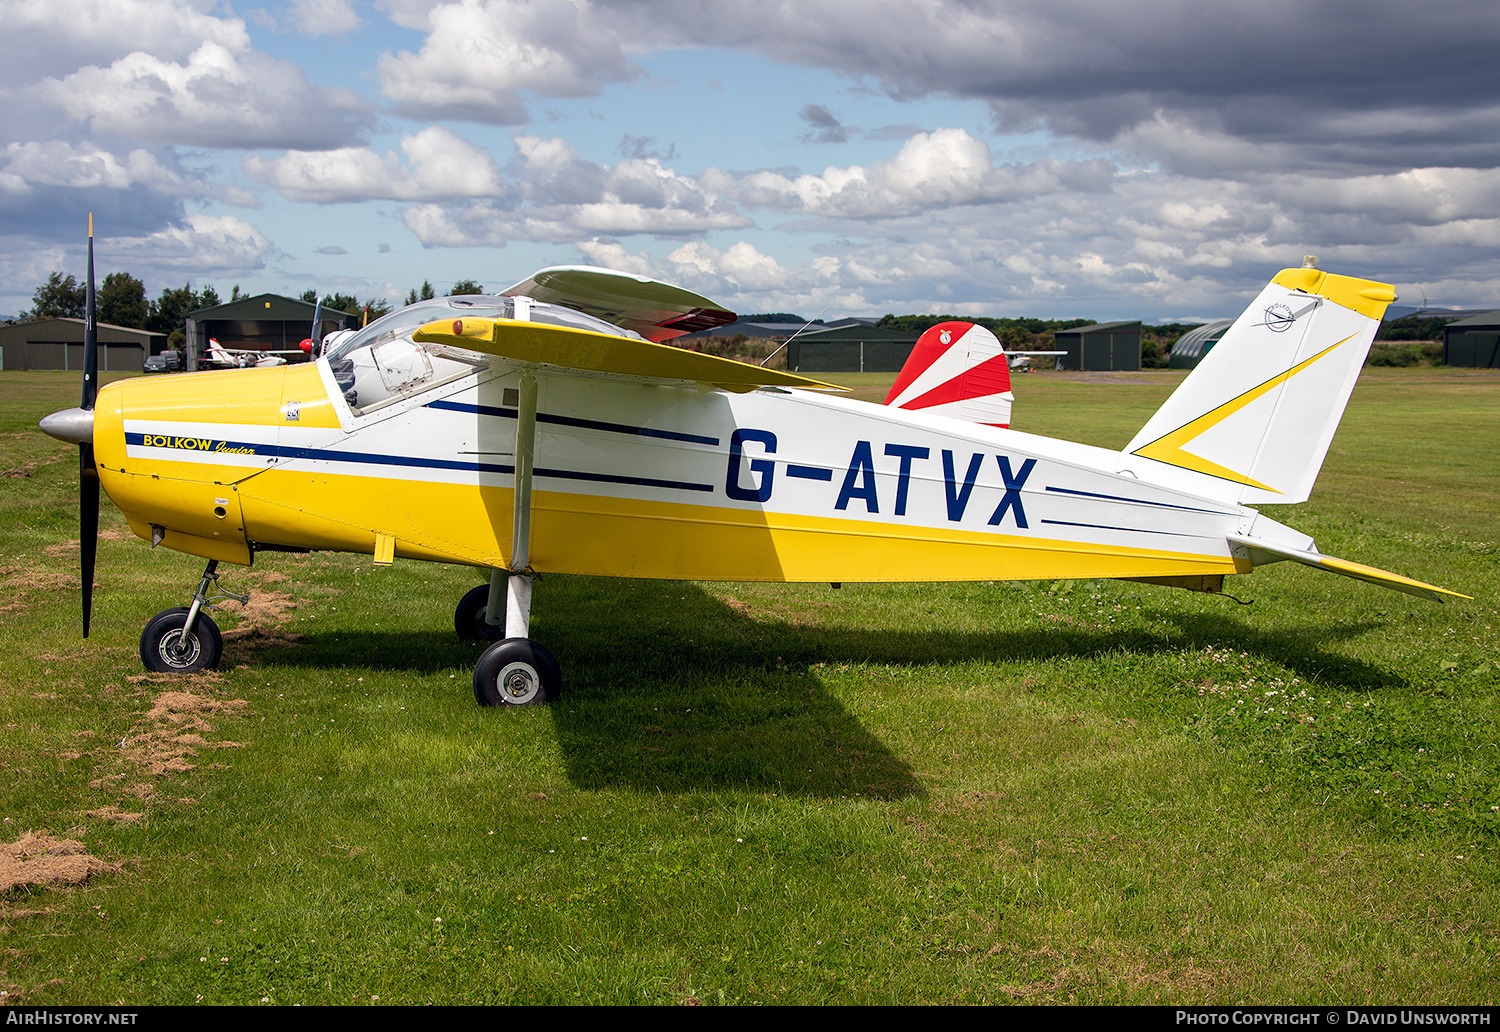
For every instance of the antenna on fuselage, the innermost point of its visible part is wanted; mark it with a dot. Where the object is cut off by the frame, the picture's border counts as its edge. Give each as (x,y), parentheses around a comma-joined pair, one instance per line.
(800,332)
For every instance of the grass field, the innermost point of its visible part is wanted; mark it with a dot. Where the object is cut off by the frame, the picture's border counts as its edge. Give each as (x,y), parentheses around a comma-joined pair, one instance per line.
(1086,792)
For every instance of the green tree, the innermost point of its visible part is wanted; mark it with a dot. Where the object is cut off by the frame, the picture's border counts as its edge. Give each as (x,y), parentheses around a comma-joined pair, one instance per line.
(376,307)
(58,298)
(786,317)
(427,294)
(465,286)
(343,303)
(169,311)
(122,301)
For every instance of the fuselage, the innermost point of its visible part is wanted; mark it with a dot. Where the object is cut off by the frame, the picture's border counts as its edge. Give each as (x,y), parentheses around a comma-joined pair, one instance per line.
(637,479)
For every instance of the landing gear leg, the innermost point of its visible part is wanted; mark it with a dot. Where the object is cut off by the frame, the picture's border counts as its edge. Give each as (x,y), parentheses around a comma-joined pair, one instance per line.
(472,618)
(184,641)
(518,671)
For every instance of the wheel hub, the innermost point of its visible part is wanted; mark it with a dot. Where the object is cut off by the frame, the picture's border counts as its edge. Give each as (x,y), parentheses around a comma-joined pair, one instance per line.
(180,649)
(519,683)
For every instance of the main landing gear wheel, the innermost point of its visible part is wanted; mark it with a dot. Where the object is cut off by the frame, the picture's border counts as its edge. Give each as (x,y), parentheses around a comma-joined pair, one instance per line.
(517,672)
(468,618)
(166,650)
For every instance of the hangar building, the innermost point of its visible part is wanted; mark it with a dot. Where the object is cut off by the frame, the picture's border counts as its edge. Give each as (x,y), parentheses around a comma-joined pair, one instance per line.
(58,344)
(265,322)
(1473,342)
(1103,346)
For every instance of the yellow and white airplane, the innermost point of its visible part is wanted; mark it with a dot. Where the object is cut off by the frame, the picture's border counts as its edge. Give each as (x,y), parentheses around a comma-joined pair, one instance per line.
(548,430)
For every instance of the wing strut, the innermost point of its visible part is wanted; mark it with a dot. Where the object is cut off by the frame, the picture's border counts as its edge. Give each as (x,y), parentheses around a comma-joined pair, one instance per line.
(518,584)
(518,671)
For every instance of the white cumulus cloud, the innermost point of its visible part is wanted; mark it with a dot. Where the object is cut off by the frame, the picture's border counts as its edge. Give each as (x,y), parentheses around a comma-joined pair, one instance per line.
(324,17)
(222,97)
(84,165)
(479,56)
(560,197)
(43,36)
(201,243)
(940,169)
(440,165)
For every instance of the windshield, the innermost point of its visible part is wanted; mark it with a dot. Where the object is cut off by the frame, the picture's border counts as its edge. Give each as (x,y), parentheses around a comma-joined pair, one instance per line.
(381,364)
(404,322)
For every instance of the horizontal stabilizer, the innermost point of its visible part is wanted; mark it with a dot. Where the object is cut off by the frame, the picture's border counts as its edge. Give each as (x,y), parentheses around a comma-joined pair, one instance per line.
(1271,552)
(544,344)
(657,311)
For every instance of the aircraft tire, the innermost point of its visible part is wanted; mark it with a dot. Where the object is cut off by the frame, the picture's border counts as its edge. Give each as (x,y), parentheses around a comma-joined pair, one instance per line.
(517,672)
(468,618)
(164,651)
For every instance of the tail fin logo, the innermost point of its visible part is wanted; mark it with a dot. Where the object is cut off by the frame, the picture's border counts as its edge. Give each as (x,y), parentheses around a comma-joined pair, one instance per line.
(1279,318)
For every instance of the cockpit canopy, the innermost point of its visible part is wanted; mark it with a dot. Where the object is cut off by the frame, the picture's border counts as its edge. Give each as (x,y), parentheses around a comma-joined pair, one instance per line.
(381,364)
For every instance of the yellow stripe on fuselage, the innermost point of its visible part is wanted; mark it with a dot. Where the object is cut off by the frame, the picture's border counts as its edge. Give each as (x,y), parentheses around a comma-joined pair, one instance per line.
(622,537)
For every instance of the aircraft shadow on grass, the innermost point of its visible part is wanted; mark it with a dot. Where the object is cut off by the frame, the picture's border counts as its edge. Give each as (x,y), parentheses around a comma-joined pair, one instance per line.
(672,689)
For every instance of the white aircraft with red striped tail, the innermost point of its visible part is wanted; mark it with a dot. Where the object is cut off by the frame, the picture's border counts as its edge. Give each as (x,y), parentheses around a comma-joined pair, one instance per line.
(549,429)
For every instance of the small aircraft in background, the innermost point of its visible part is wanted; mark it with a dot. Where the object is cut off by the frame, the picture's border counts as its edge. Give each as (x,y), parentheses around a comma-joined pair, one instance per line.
(220,357)
(549,429)
(1020,361)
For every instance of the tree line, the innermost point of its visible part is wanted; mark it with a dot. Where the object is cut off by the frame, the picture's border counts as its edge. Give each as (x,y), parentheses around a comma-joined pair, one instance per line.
(121,301)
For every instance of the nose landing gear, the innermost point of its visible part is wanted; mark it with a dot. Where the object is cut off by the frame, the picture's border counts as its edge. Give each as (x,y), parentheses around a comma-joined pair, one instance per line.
(184,641)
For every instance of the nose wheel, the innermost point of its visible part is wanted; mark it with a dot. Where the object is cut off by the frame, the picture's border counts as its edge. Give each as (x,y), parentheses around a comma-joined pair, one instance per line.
(185,641)
(169,646)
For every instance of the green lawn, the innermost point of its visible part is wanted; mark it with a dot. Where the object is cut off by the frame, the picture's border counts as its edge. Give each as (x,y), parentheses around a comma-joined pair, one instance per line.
(1088,792)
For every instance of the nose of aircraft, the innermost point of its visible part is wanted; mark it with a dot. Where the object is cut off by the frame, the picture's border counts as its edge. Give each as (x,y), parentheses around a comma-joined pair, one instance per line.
(74,425)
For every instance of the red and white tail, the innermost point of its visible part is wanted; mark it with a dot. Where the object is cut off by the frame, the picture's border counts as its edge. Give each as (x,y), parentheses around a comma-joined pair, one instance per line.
(956,369)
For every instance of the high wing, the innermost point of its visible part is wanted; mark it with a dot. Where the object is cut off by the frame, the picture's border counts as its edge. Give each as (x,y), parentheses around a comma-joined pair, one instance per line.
(655,310)
(569,348)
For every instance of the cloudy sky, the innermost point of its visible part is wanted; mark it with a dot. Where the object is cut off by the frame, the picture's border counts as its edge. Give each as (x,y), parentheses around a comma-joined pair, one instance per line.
(1056,158)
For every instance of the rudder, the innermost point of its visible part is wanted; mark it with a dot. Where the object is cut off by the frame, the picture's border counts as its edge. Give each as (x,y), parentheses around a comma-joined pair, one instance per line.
(1260,410)
(956,369)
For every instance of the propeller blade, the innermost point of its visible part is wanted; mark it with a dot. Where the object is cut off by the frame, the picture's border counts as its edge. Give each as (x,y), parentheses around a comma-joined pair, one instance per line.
(316,336)
(90,334)
(88,526)
(88,476)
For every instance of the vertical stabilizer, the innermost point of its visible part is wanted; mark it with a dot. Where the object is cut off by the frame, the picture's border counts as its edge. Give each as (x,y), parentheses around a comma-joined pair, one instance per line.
(1259,412)
(956,369)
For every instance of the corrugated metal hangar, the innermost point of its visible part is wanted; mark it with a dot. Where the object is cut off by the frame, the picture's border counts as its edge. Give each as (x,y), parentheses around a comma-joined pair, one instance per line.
(1473,342)
(1190,348)
(857,348)
(58,344)
(1103,346)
